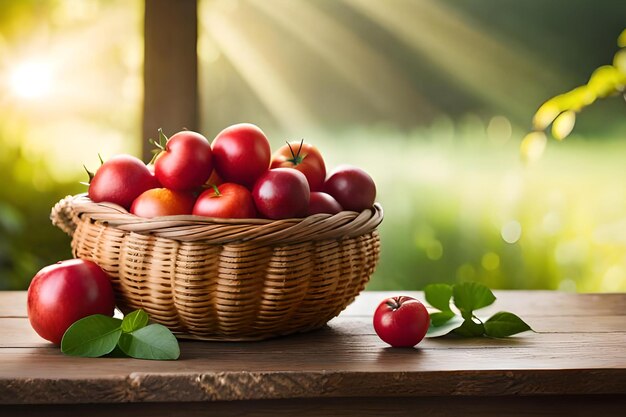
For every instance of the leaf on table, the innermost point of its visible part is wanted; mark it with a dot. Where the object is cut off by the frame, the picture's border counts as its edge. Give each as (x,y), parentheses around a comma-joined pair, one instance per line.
(444,329)
(505,324)
(470,296)
(440,318)
(135,321)
(116,353)
(151,342)
(438,296)
(470,328)
(92,336)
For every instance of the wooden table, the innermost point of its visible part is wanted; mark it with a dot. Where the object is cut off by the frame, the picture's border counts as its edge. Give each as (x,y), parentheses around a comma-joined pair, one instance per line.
(575,364)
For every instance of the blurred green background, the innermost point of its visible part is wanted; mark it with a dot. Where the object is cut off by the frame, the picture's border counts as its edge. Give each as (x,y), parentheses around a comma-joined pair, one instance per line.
(432,97)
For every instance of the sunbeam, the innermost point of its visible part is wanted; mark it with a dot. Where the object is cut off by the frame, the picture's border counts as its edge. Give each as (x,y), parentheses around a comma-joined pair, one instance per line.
(359,65)
(480,63)
(286,107)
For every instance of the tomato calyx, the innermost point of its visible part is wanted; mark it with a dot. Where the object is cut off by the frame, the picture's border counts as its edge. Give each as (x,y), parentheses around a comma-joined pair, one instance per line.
(159,146)
(394,303)
(90,173)
(296,158)
(216,191)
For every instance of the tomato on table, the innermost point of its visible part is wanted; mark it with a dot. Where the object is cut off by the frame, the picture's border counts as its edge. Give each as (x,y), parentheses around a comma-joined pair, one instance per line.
(401,321)
(65,292)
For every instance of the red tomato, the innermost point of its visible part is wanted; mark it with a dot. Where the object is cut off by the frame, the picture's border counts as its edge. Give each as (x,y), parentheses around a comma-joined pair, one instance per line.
(305,158)
(65,292)
(241,154)
(282,193)
(323,203)
(229,200)
(401,321)
(120,180)
(352,187)
(186,163)
(163,202)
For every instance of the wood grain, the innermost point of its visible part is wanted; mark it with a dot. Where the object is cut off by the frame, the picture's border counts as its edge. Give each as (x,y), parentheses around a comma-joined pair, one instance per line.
(571,406)
(525,303)
(578,350)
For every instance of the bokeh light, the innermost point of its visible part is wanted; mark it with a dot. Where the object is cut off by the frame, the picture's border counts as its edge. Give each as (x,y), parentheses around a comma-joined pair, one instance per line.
(32,80)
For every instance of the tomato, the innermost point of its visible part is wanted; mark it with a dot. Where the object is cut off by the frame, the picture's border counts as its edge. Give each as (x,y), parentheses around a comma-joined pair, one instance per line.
(163,202)
(229,200)
(323,203)
(65,292)
(401,321)
(185,163)
(305,158)
(352,187)
(241,154)
(120,180)
(282,193)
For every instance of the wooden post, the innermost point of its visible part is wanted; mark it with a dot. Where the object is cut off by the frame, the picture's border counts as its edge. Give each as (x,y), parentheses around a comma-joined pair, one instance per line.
(170,69)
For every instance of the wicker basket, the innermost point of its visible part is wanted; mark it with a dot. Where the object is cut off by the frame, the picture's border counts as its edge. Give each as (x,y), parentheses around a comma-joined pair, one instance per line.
(227,279)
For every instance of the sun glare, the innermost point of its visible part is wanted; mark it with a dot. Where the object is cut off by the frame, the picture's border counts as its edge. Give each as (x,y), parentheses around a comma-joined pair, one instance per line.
(31,80)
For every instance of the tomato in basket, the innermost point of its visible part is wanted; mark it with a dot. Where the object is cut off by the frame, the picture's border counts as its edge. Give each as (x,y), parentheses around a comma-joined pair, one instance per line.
(352,187)
(163,202)
(241,154)
(282,193)
(323,203)
(120,180)
(185,163)
(229,200)
(304,157)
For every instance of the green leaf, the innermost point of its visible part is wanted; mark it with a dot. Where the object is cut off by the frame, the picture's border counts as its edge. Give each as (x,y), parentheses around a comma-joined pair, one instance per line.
(470,328)
(92,336)
(447,327)
(151,342)
(135,321)
(438,296)
(440,318)
(470,296)
(505,324)
(117,353)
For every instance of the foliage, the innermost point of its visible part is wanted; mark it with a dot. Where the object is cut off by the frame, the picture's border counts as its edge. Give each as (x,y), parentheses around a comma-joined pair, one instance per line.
(28,241)
(560,111)
(468,297)
(98,335)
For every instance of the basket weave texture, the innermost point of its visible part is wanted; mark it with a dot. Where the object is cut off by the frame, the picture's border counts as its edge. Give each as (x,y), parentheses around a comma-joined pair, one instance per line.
(227,279)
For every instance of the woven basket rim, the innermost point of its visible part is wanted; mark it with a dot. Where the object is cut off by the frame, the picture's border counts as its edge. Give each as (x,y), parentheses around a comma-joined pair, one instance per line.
(79,207)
